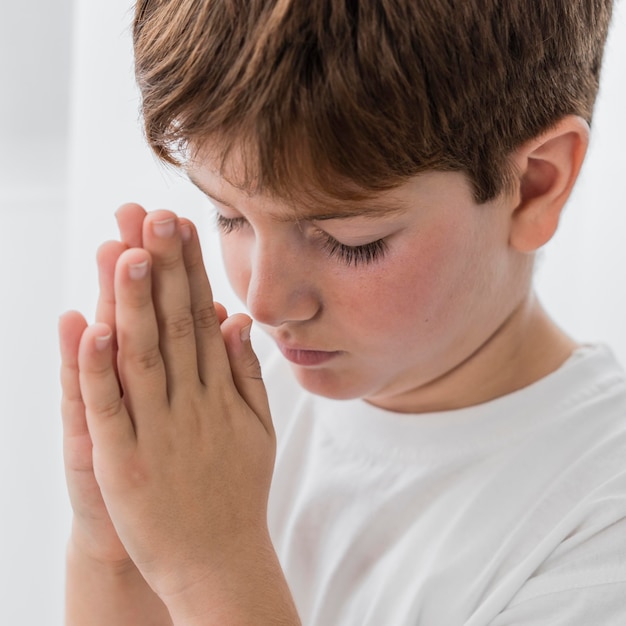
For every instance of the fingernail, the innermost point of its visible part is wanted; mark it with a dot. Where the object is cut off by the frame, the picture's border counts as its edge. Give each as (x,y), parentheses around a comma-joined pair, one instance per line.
(137,271)
(245,333)
(164,228)
(102,343)
(185,232)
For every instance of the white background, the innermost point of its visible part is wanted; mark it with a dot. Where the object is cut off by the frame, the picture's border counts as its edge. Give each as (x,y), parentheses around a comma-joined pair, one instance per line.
(71,151)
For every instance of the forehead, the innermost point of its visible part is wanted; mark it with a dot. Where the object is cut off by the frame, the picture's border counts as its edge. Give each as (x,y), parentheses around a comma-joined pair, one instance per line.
(307,202)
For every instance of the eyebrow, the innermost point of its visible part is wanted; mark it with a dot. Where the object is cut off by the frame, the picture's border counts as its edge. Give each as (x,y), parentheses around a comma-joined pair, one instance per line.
(352,210)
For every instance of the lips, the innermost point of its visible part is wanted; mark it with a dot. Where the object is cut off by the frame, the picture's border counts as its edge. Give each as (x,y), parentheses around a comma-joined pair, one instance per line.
(307,358)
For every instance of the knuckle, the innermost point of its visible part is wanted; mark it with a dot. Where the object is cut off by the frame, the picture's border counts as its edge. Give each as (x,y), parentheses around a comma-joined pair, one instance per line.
(97,369)
(168,262)
(105,407)
(69,401)
(205,318)
(194,263)
(147,360)
(138,299)
(178,326)
(137,476)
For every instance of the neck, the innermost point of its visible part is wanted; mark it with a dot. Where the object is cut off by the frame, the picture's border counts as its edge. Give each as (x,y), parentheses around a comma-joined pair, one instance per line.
(524,349)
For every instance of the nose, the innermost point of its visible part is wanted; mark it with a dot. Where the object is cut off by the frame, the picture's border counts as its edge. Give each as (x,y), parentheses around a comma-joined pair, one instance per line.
(281,285)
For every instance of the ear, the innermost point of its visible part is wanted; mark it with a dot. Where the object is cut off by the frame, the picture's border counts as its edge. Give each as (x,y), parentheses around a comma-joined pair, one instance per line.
(548,167)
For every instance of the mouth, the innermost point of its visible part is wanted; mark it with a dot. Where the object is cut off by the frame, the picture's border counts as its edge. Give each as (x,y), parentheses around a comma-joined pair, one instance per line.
(307,358)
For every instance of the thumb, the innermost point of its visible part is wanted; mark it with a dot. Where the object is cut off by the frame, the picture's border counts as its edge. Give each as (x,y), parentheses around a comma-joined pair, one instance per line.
(245,367)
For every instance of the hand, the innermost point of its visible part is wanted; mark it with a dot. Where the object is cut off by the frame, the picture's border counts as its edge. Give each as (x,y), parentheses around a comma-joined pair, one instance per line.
(184,458)
(92,530)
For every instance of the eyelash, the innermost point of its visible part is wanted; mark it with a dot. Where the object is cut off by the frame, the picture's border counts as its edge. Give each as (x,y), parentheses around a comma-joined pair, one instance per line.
(355,255)
(228,224)
(350,255)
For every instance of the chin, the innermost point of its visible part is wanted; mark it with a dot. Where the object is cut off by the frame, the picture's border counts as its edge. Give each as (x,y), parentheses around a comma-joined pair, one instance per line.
(330,384)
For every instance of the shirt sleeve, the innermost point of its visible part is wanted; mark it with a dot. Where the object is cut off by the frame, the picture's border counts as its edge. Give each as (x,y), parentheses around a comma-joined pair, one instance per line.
(582,584)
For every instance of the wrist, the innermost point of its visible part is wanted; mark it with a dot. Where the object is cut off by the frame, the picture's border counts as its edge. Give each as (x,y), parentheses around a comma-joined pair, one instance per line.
(108,591)
(80,549)
(78,557)
(247,587)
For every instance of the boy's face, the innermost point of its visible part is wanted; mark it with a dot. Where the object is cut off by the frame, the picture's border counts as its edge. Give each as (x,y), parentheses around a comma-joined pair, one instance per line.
(390,321)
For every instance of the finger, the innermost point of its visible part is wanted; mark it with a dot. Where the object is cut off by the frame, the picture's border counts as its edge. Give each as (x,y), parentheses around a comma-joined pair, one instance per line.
(172,302)
(110,426)
(207,315)
(71,327)
(130,219)
(107,256)
(220,311)
(245,367)
(142,372)
(77,444)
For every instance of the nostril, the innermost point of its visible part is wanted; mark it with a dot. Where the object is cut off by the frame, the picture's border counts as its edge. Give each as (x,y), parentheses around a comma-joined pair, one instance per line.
(276,301)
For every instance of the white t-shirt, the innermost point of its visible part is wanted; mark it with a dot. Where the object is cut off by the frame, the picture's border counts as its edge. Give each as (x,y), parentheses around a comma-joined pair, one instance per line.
(511,512)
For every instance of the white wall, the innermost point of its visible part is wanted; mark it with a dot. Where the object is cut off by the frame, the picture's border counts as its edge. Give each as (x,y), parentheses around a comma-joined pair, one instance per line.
(110,163)
(35,44)
(581,279)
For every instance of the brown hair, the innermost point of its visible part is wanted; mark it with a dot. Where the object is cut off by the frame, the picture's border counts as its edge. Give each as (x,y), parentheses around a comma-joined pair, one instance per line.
(362,94)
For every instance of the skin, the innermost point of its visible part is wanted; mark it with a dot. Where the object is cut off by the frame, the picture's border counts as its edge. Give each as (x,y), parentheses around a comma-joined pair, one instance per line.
(168,439)
(192,389)
(416,329)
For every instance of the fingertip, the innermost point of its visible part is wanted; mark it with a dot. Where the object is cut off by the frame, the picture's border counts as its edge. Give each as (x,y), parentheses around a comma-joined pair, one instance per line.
(103,341)
(186,230)
(70,317)
(244,333)
(236,330)
(130,218)
(71,325)
(96,340)
(106,257)
(129,207)
(220,310)
(107,248)
(135,263)
(192,246)
(160,215)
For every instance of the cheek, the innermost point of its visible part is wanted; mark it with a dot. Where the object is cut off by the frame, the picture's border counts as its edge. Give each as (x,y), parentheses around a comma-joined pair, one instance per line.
(237,266)
(415,284)
(422,291)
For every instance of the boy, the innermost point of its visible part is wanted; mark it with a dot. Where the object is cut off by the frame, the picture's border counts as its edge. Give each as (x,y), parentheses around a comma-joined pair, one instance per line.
(383,173)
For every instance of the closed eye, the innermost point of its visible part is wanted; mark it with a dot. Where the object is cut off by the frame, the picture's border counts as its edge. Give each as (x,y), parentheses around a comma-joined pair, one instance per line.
(229,224)
(354,255)
(349,255)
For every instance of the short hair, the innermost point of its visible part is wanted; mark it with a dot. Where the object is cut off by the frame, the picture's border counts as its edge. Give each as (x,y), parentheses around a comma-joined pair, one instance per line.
(356,96)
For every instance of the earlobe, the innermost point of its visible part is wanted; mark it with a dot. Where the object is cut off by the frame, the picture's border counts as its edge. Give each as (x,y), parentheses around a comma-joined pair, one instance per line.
(548,167)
